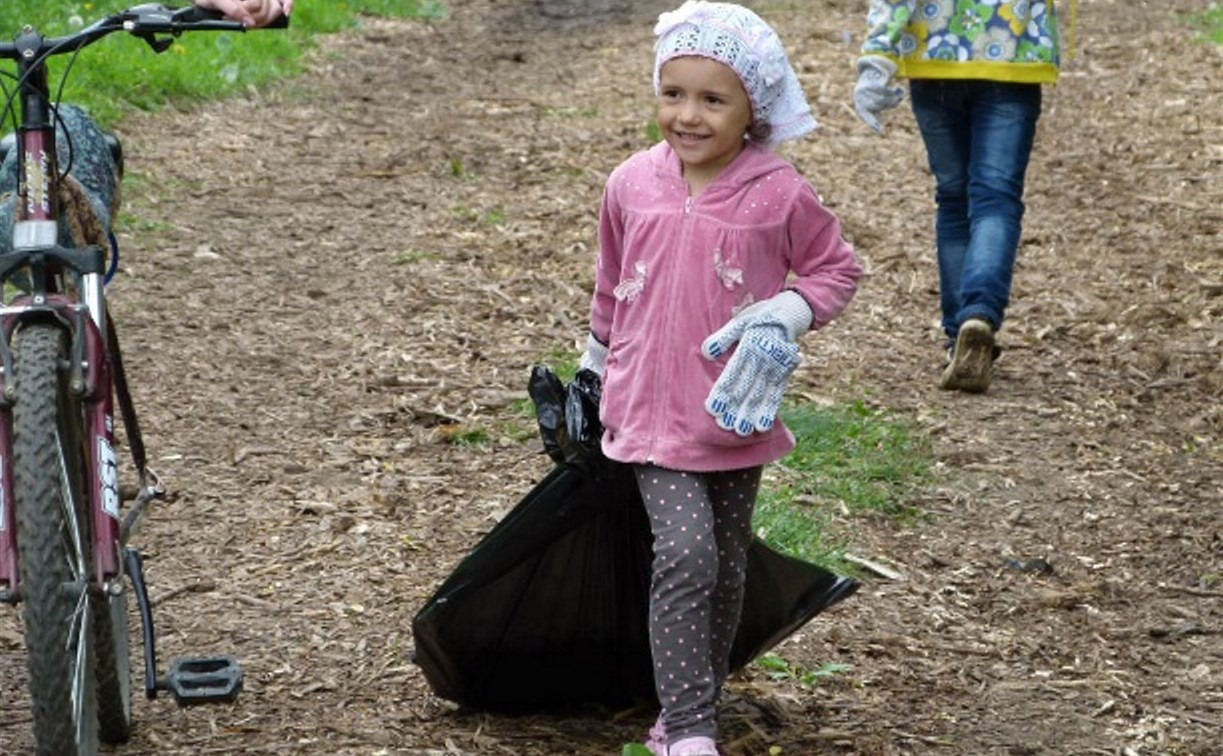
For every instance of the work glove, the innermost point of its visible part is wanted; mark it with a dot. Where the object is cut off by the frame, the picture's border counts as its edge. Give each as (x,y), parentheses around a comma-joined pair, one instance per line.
(747,395)
(875,92)
(594,358)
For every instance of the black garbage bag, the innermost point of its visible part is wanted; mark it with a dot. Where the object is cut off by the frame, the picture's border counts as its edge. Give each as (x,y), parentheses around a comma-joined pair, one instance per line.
(550,607)
(568,417)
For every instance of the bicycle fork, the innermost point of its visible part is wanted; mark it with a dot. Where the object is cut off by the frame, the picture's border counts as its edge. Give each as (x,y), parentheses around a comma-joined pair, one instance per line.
(89,375)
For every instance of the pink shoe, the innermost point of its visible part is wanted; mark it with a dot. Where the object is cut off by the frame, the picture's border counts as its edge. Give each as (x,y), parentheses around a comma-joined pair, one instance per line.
(656,743)
(698,746)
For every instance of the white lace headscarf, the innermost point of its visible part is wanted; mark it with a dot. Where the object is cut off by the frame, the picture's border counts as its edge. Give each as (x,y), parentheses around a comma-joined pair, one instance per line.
(738,38)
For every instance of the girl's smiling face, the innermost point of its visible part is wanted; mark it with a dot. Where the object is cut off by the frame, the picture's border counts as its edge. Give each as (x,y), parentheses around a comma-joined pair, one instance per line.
(704,113)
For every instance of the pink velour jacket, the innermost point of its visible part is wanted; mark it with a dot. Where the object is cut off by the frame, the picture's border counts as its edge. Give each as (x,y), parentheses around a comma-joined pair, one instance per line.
(672,269)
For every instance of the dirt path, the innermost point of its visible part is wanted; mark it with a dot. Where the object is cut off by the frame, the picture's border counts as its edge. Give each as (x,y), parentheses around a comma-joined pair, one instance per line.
(332,284)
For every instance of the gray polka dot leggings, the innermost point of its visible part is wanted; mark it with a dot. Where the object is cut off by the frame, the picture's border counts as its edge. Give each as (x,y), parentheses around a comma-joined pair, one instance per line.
(702,529)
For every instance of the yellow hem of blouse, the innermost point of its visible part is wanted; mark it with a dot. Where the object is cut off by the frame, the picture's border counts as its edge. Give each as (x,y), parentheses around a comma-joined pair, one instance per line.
(1022,73)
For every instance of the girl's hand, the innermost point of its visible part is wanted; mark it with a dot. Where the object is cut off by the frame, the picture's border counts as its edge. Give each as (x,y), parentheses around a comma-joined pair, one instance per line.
(595,356)
(253,13)
(747,395)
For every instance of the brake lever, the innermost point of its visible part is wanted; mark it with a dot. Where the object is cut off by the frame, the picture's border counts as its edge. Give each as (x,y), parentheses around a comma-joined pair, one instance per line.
(149,20)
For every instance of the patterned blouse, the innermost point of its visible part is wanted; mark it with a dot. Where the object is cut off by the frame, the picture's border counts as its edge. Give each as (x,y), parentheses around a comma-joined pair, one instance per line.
(999,40)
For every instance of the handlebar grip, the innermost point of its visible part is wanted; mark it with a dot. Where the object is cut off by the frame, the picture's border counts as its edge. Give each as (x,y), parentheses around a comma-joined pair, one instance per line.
(194,14)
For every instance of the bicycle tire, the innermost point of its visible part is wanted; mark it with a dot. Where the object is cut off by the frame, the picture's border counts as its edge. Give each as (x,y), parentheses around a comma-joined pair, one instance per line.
(53,530)
(114,668)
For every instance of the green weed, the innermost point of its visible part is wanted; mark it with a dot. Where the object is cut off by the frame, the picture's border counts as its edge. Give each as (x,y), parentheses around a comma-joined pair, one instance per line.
(409,256)
(778,668)
(469,437)
(129,222)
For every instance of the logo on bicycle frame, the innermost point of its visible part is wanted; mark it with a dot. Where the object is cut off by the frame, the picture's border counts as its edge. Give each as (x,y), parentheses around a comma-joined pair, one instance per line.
(36,183)
(108,475)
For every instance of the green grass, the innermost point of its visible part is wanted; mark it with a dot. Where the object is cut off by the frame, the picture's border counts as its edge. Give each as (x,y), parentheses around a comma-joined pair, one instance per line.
(854,457)
(1210,23)
(122,73)
(850,460)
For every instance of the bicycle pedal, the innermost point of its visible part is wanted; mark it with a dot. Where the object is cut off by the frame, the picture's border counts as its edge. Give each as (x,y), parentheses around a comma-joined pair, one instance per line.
(202,680)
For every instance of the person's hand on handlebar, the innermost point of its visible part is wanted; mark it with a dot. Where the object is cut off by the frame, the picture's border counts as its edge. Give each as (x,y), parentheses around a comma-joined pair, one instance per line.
(253,13)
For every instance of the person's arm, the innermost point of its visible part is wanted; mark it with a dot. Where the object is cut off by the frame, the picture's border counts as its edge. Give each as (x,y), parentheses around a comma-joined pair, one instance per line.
(747,395)
(826,270)
(876,90)
(608,265)
(885,25)
(253,13)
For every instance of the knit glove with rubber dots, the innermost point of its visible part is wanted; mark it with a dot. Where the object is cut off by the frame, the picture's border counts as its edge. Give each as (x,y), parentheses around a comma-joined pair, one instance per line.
(595,356)
(747,396)
(875,91)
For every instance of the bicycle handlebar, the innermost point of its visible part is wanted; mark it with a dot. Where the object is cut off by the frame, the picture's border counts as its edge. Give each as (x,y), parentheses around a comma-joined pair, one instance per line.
(143,20)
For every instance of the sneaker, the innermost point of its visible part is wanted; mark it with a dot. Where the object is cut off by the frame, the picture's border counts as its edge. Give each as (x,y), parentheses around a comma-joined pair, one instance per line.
(698,746)
(656,742)
(972,359)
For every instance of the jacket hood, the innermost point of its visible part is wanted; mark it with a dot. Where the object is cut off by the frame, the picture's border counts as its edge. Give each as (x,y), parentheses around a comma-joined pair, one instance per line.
(741,171)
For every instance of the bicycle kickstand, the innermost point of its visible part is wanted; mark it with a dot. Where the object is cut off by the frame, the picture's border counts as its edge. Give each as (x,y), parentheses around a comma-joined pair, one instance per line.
(191,680)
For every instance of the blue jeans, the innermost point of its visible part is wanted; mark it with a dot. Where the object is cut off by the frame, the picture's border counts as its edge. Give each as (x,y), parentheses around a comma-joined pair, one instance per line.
(978,137)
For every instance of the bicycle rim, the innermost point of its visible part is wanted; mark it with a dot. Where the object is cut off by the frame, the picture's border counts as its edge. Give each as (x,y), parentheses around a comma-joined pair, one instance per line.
(54,535)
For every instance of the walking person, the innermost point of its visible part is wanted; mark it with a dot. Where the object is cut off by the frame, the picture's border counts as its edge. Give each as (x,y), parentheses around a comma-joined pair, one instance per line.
(975,71)
(715,257)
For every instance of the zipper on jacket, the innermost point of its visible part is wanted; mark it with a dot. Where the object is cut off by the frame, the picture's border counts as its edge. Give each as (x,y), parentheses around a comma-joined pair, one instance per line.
(658,368)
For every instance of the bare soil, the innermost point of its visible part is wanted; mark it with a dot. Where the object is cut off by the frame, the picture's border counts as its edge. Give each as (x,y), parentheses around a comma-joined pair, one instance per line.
(330,284)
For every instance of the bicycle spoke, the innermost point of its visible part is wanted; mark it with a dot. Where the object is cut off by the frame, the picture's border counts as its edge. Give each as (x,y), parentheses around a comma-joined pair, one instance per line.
(79,621)
(70,506)
(81,624)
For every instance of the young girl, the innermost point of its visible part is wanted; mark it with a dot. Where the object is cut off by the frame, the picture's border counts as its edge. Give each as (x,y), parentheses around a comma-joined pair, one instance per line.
(715,255)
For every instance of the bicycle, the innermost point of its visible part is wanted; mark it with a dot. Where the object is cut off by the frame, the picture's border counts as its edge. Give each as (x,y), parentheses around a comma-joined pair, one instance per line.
(64,542)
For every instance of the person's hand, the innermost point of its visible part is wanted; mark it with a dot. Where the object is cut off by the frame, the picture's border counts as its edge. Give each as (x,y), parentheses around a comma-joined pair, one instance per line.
(875,92)
(595,356)
(747,395)
(253,13)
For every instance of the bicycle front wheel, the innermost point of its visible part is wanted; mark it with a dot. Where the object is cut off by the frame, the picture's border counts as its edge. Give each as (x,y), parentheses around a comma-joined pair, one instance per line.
(53,530)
